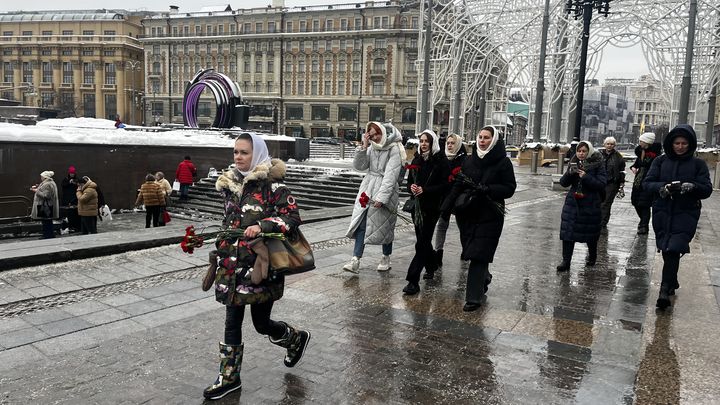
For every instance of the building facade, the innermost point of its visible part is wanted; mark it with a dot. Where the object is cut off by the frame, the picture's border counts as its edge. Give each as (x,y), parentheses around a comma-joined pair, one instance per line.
(306,71)
(652,110)
(82,63)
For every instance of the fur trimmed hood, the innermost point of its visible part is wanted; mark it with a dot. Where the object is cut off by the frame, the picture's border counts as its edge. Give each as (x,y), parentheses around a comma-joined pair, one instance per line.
(232,180)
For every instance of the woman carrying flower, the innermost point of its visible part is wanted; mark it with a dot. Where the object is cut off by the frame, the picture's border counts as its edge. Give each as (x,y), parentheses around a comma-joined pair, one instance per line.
(428,183)
(257,201)
(581,214)
(455,153)
(642,199)
(478,199)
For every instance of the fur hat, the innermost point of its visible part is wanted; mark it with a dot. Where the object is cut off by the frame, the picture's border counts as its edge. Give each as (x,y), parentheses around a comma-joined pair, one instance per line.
(648,137)
(47,174)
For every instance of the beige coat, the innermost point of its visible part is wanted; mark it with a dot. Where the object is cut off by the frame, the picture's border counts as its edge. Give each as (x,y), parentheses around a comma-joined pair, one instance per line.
(87,200)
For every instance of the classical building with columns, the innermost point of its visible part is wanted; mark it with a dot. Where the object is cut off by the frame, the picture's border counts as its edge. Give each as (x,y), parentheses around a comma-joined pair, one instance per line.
(83,63)
(306,71)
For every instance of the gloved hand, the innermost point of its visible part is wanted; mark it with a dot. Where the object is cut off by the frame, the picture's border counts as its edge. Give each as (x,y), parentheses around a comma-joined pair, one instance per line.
(664,191)
(482,189)
(687,188)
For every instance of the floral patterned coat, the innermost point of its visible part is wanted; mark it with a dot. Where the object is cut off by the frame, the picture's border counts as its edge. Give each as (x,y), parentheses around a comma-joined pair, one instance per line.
(261,199)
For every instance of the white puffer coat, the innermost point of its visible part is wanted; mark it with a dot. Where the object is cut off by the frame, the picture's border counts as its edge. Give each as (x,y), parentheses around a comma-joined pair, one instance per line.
(383,163)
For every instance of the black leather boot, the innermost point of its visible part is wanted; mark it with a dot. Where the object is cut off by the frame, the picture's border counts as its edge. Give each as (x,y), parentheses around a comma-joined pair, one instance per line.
(663,300)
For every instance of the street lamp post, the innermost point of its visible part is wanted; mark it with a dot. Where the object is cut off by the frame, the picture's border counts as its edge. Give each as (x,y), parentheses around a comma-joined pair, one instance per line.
(134,65)
(584,9)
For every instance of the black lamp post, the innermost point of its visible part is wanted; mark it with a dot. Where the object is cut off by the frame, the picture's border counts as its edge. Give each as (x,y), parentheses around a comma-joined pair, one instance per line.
(584,9)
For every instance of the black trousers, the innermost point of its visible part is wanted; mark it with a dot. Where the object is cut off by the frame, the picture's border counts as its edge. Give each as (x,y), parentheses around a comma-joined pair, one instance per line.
(478,277)
(568,247)
(671,264)
(152,212)
(88,224)
(611,191)
(424,254)
(48,229)
(260,313)
(644,214)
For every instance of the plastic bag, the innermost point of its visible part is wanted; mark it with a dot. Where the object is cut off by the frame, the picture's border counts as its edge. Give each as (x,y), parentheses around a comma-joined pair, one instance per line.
(105,213)
(176,185)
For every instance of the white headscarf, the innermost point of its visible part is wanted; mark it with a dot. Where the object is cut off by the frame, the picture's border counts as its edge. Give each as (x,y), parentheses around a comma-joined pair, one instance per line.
(587,144)
(481,153)
(435,141)
(260,153)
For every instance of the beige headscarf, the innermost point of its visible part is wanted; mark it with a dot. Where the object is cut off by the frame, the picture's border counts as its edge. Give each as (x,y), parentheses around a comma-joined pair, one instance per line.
(452,153)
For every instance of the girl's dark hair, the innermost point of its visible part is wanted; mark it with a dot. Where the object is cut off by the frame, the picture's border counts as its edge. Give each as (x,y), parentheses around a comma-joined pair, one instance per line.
(149,177)
(187,158)
(489,129)
(244,136)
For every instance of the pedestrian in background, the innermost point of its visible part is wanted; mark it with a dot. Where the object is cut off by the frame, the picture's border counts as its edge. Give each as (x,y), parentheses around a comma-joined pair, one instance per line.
(45,203)
(428,183)
(185,175)
(373,223)
(455,154)
(69,199)
(257,200)
(681,180)
(615,170)
(164,186)
(646,151)
(87,196)
(152,196)
(486,179)
(581,213)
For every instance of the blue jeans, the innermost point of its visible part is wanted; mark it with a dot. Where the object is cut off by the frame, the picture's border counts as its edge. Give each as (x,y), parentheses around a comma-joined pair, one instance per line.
(360,239)
(184,190)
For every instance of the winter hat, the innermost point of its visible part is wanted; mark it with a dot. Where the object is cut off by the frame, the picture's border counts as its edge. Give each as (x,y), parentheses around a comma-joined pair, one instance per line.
(47,174)
(588,145)
(71,170)
(648,137)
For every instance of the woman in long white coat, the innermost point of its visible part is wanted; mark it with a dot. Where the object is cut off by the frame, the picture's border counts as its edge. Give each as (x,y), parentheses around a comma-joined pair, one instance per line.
(373,221)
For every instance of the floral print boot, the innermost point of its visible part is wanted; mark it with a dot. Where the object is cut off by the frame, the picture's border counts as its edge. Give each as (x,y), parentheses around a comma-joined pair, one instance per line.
(295,341)
(228,379)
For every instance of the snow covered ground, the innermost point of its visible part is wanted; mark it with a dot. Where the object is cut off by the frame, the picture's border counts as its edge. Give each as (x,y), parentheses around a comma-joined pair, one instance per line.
(103,132)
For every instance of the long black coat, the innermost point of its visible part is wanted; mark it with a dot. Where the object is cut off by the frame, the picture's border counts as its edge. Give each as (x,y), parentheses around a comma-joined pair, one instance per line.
(581,214)
(641,197)
(432,176)
(481,225)
(675,217)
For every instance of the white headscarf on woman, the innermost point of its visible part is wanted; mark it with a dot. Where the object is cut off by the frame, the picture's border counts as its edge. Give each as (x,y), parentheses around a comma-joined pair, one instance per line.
(260,153)
(435,143)
(452,153)
(495,136)
(588,145)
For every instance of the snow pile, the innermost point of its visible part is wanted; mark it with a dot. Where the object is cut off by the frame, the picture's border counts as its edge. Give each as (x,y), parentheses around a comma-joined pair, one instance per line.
(77,123)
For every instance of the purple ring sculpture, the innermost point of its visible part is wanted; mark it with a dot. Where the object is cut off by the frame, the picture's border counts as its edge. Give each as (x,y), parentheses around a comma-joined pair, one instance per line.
(231,110)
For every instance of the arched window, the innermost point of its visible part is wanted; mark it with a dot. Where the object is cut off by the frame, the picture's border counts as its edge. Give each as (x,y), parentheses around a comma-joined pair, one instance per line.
(408,115)
(379,65)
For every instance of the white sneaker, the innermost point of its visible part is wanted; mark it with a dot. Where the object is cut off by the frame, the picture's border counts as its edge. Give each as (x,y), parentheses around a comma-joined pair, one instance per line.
(353,266)
(384,264)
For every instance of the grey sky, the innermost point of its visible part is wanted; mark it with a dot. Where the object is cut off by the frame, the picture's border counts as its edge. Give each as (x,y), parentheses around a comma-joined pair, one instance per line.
(625,63)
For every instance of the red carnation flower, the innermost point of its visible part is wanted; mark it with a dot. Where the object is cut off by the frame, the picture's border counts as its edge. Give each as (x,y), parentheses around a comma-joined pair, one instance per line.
(651,155)
(412,167)
(454,173)
(364,199)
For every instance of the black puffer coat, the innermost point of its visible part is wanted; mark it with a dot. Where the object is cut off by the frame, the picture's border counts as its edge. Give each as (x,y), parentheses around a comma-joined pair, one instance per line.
(675,218)
(581,212)
(482,223)
(640,197)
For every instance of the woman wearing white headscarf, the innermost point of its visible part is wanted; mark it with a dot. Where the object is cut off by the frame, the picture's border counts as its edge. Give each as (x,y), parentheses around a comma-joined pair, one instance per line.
(256,200)
(477,198)
(45,204)
(581,215)
(428,183)
(455,153)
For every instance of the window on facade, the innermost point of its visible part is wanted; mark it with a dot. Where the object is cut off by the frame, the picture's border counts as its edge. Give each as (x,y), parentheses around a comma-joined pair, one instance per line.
(301,66)
(341,88)
(377,113)
(258,65)
(47,72)
(355,87)
(288,66)
(288,87)
(408,115)
(343,45)
(108,52)
(271,26)
(258,87)
(314,88)
(271,66)
(155,86)
(320,112)
(386,22)
(8,72)
(343,24)
(329,25)
(88,52)
(89,105)
(411,66)
(315,44)
(358,44)
(288,26)
(301,47)
(358,24)
(347,113)
(376,22)
(328,65)
(156,68)
(413,43)
(66,52)
(412,89)
(67,34)
(203,109)
(26,51)
(27,72)
(327,89)
(303,26)
(379,65)
(342,66)
(246,66)
(356,65)
(378,87)
(301,88)
(294,112)
(316,25)
(270,87)
(175,31)
(109,73)
(258,28)
(110,106)
(288,46)
(414,22)
(380,43)
(315,66)
(48,98)
(67,72)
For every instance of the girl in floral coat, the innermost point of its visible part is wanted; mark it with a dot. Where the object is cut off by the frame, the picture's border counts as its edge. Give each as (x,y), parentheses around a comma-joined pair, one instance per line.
(256,201)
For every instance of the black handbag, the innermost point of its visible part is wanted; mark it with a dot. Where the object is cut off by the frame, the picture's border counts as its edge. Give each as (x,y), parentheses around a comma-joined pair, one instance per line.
(409,205)
(465,200)
(44,210)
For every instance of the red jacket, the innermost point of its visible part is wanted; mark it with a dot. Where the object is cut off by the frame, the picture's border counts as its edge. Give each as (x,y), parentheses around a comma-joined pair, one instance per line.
(185,172)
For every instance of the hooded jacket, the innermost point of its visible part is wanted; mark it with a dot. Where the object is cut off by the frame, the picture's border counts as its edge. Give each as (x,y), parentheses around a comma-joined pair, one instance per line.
(640,197)
(675,217)
(382,163)
(432,175)
(87,198)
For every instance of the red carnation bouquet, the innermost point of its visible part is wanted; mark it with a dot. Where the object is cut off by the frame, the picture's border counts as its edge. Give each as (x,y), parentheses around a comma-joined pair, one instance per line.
(454,174)
(365,199)
(192,240)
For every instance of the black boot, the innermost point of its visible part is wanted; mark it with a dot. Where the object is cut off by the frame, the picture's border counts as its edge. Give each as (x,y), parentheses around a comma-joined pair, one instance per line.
(591,258)
(228,379)
(567,251)
(295,341)
(663,300)
(411,288)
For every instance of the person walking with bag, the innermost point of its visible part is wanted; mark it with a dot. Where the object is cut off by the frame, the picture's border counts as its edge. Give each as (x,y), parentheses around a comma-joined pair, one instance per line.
(87,197)
(428,184)
(185,175)
(581,213)
(681,180)
(152,196)
(456,154)
(615,170)
(373,223)
(478,197)
(45,203)
(256,201)
(646,152)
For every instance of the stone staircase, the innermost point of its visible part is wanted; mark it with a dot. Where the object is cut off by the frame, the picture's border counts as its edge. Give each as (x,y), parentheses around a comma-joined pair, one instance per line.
(327,151)
(314,188)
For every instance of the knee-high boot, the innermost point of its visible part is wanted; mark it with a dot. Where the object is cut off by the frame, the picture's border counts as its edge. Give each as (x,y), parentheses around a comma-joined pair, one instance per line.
(228,379)
(295,341)
(567,252)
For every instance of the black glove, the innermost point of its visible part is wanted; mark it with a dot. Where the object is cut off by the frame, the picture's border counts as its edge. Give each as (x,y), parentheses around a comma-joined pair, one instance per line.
(482,189)
(687,188)
(674,187)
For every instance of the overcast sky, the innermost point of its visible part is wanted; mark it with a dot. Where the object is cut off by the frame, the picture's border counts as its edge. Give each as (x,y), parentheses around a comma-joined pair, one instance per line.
(627,63)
